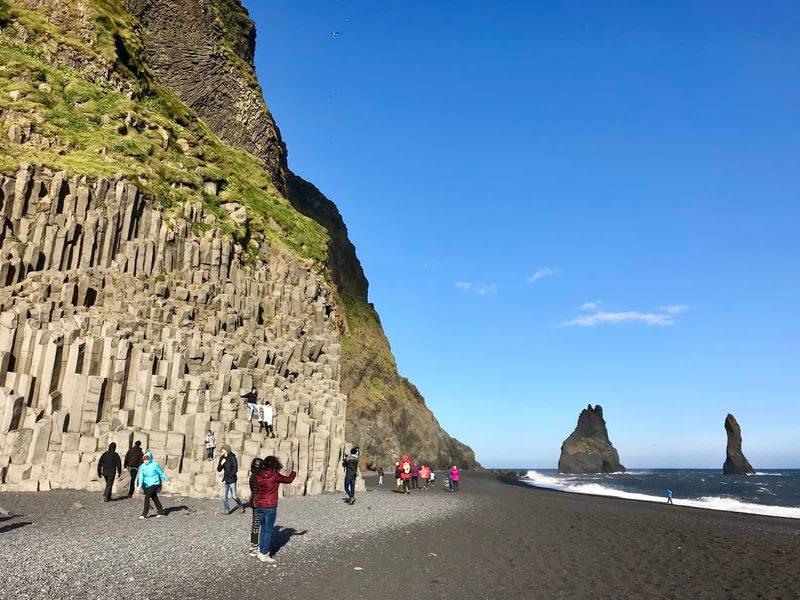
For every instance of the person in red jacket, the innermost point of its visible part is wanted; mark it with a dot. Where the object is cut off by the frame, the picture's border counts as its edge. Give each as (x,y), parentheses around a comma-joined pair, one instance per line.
(405,473)
(266,502)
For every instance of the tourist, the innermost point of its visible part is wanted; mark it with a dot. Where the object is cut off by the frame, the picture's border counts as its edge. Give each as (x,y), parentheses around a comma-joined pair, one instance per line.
(109,467)
(150,477)
(265,417)
(211,443)
(405,473)
(229,466)
(414,476)
(380,476)
(251,398)
(669,496)
(425,474)
(266,502)
(255,467)
(433,479)
(454,479)
(133,460)
(350,464)
(398,482)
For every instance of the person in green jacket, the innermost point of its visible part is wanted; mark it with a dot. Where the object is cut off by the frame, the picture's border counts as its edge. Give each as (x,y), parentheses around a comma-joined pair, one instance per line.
(150,477)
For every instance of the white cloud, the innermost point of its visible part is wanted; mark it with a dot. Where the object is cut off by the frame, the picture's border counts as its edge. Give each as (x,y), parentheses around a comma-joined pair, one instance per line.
(481,290)
(591,305)
(673,309)
(603,317)
(543,272)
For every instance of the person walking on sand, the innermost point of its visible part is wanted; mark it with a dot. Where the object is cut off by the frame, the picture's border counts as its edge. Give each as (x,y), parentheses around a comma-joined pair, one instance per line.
(405,473)
(109,467)
(265,416)
(266,502)
(133,460)
(150,477)
(669,496)
(211,443)
(425,474)
(433,479)
(229,466)
(251,398)
(255,468)
(398,482)
(380,476)
(350,464)
(454,478)
(414,476)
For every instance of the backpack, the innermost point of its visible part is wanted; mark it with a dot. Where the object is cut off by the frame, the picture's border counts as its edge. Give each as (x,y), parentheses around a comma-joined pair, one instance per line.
(406,468)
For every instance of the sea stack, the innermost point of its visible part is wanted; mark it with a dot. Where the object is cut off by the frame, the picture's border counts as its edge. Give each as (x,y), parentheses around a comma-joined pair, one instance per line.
(588,449)
(735,461)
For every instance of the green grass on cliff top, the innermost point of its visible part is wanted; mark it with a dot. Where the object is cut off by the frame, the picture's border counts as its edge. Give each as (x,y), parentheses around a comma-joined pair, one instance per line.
(86,119)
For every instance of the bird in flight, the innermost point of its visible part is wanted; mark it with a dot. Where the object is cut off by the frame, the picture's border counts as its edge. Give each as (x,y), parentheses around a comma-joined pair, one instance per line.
(334,33)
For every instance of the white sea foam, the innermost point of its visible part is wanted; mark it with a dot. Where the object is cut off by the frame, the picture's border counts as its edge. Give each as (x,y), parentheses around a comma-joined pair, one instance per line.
(537,479)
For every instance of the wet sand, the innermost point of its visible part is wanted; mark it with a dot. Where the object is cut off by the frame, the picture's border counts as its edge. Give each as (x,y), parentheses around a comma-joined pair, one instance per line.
(492,540)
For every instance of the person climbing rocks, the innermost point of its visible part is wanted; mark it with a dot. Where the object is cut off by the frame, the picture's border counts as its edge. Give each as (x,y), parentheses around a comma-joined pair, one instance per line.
(454,476)
(255,468)
(669,496)
(211,443)
(229,466)
(265,417)
(350,464)
(405,473)
(109,467)
(150,477)
(380,476)
(133,460)
(251,398)
(266,502)
(414,476)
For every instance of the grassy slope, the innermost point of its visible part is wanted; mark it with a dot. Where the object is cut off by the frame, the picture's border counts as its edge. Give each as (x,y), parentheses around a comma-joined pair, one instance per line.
(73,112)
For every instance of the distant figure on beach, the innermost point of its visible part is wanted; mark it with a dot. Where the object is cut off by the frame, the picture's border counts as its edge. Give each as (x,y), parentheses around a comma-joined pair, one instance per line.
(255,468)
(454,479)
(380,476)
(251,398)
(414,476)
(433,479)
(133,460)
(425,474)
(266,502)
(265,417)
(229,466)
(398,482)
(109,467)
(211,443)
(150,477)
(669,496)
(350,464)
(405,473)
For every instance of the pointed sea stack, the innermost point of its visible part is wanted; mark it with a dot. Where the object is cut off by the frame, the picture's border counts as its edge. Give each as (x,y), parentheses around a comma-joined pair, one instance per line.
(588,449)
(735,461)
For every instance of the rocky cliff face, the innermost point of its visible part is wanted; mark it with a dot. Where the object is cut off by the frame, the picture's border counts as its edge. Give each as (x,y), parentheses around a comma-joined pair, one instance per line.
(150,271)
(588,449)
(735,461)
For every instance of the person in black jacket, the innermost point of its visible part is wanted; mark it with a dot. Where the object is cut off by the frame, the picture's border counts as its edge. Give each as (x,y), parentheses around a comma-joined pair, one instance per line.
(133,460)
(229,466)
(255,528)
(108,467)
(350,464)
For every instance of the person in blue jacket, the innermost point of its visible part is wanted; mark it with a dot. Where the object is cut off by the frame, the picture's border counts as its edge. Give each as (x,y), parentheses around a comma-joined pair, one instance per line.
(150,477)
(669,496)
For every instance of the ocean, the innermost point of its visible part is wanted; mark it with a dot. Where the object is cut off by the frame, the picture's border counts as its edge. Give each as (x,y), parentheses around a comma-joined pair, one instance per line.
(769,492)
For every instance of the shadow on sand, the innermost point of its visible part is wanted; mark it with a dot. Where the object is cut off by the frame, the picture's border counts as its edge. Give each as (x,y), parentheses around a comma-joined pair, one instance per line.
(282,535)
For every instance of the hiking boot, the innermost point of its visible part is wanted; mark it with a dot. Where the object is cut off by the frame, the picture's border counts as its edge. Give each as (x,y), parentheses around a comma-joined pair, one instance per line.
(266,558)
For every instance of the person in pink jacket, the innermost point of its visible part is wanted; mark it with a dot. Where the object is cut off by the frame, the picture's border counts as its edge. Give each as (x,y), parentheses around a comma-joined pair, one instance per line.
(454,477)
(425,475)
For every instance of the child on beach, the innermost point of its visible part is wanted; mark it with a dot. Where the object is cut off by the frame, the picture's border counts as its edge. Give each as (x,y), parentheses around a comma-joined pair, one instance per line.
(433,479)
(380,476)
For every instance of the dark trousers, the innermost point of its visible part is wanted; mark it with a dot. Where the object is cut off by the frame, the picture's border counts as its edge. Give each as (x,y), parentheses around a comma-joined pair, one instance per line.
(350,486)
(255,528)
(405,486)
(268,427)
(415,483)
(109,486)
(210,453)
(152,493)
(133,471)
(454,485)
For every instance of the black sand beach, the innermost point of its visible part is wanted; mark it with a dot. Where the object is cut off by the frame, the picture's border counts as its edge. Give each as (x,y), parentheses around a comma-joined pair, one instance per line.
(493,540)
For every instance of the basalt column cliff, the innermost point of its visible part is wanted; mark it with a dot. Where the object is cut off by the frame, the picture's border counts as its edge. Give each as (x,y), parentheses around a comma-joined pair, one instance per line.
(157,258)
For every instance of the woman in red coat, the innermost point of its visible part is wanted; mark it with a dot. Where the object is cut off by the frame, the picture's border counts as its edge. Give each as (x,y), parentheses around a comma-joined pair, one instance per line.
(405,473)
(266,502)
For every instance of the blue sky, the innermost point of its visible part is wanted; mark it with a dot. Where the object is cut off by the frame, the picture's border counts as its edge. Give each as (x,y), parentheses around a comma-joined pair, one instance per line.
(559,204)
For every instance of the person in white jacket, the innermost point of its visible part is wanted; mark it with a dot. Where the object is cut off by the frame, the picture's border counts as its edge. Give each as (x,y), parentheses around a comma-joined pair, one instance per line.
(265,416)
(211,443)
